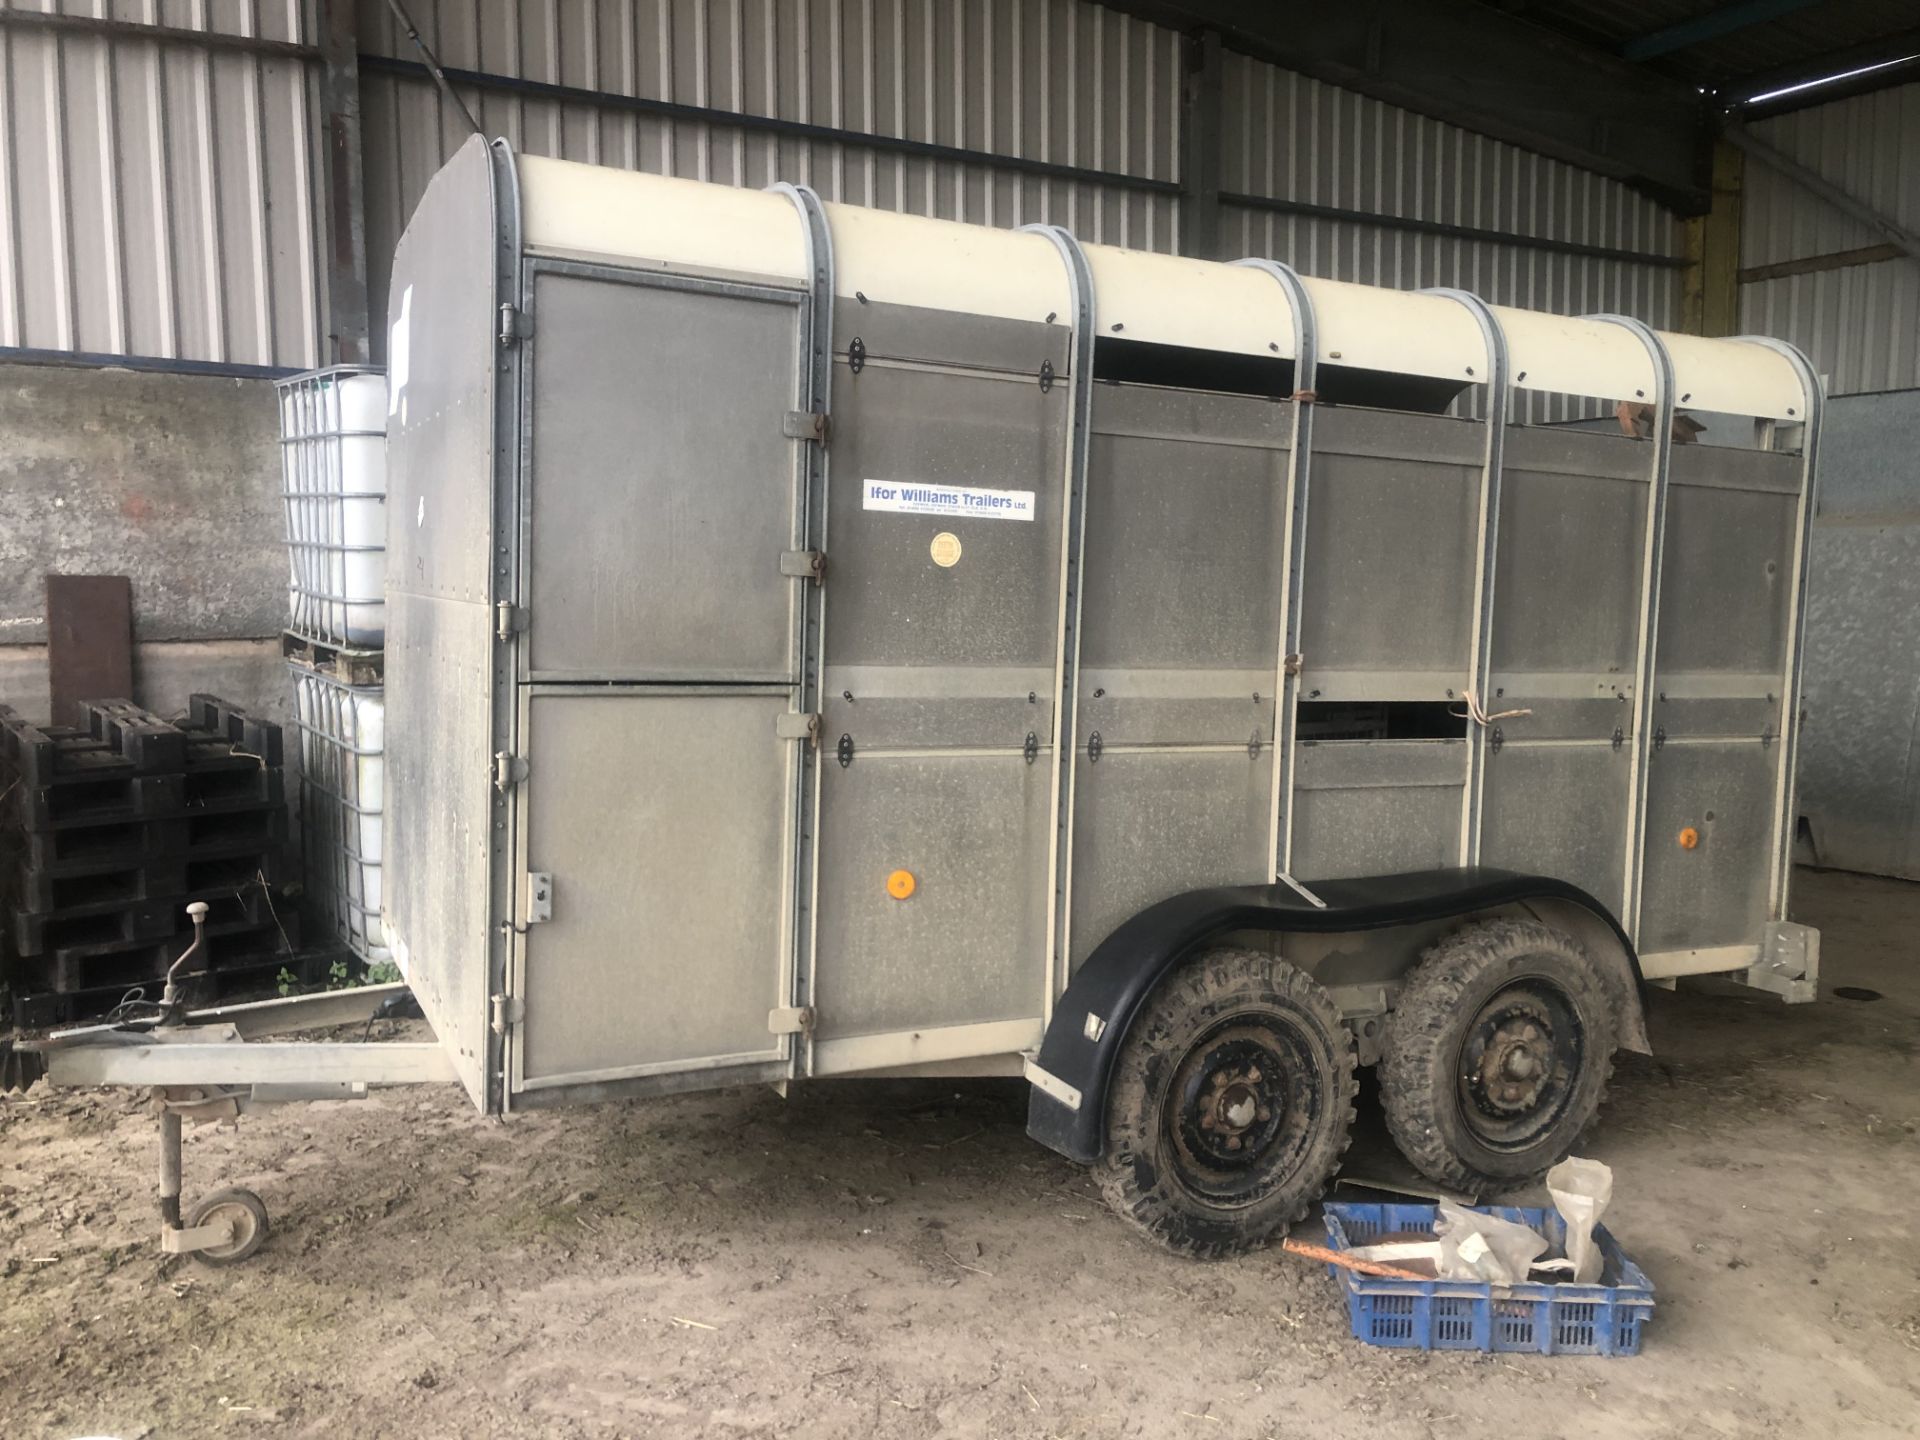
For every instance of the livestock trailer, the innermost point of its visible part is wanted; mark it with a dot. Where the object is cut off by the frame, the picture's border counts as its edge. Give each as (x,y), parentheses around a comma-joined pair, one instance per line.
(825,641)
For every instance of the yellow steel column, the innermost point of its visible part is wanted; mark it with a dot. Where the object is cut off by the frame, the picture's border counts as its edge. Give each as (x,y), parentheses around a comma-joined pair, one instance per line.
(1710,302)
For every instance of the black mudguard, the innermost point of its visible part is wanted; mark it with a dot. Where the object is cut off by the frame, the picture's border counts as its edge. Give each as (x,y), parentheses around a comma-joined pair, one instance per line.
(1123,970)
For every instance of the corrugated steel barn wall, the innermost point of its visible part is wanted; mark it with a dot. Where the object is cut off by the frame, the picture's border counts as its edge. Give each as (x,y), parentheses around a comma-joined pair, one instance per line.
(157,196)
(1289,138)
(1055,81)
(1062,83)
(1859,321)
(162,197)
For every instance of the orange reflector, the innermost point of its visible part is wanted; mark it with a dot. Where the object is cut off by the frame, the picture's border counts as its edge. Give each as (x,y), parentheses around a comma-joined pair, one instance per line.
(1689,838)
(900,884)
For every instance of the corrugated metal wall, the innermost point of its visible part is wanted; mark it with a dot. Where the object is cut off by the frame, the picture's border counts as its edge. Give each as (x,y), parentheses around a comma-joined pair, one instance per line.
(1860,322)
(1060,81)
(1288,137)
(157,196)
(161,196)
(1057,81)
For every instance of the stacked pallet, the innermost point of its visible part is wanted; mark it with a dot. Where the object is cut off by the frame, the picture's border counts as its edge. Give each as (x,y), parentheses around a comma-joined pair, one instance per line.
(113,828)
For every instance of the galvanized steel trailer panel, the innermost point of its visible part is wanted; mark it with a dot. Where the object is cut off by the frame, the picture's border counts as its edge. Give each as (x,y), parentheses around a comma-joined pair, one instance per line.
(1134,574)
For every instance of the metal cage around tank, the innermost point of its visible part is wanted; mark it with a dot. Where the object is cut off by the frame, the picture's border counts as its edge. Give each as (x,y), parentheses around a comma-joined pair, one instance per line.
(333,490)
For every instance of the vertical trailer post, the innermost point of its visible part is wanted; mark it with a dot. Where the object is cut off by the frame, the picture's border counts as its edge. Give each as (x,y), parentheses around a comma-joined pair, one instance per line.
(1290,661)
(816,384)
(1066,669)
(1480,658)
(506,945)
(1645,663)
(1783,830)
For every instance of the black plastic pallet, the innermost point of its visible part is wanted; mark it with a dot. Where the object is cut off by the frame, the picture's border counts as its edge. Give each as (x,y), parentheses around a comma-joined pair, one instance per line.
(122,742)
(106,922)
(123,843)
(134,798)
(213,720)
(151,745)
(47,891)
(44,1009)
(236,942)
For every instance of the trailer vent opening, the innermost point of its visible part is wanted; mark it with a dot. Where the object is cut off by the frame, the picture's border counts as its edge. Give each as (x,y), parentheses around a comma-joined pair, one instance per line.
(1119,361)
(1183,367)
(1381,720)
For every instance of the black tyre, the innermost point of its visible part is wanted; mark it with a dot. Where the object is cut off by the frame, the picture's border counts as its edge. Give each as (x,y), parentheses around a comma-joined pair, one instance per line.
(1497,1055)
(1231,1104)
(245,1217)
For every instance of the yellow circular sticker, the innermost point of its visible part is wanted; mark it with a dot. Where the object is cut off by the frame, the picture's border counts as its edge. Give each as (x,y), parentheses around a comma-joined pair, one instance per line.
(946,549)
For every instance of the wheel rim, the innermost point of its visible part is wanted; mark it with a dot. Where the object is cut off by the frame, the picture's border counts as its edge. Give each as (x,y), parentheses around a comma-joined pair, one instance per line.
(240,1220)
(1240,1109)
(1520,1062)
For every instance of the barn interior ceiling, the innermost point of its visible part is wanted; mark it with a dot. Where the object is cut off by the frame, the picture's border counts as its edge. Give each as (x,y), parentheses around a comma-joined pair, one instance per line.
(1635,89)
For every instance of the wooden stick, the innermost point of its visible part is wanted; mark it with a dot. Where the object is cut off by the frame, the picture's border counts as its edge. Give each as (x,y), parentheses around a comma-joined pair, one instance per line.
(1347,1262)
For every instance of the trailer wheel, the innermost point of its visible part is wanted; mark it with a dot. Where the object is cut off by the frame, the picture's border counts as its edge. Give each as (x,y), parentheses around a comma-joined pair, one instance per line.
(1230,1106)
(243,1210)
(1497,1054)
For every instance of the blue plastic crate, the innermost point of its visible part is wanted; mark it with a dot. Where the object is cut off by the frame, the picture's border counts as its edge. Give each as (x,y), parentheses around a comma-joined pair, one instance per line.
(1536,1319)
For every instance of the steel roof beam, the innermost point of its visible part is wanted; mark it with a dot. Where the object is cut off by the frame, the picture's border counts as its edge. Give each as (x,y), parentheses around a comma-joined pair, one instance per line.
(1726,20)
(1485,71)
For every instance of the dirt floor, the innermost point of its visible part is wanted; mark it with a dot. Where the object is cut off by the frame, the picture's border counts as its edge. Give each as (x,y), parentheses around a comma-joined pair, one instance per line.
(889,1259)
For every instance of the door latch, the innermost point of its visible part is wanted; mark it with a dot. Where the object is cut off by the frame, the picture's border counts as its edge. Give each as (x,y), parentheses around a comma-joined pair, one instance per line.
(791,726)
(805,425)
(791,1020)
(803,564)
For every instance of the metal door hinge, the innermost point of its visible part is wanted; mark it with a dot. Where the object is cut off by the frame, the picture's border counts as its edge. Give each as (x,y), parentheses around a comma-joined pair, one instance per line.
(1496,739)
(509,619)
(508,771)
(1253,745)
(1032,748)
(1046,376)
(1619,738)
(856,355)
(1094,746)
(1766,737)
(539,900)
(1660,738)
(804,564)
(791,1020)
(507,1010)
(515,325)
(791,726)
(805,425)
(846,751)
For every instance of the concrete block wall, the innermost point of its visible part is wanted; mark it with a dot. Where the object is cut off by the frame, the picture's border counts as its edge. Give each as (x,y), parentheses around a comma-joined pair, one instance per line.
(172,480)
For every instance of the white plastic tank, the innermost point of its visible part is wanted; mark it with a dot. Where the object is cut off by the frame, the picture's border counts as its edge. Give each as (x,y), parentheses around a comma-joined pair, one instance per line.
(333,460)
(343,779)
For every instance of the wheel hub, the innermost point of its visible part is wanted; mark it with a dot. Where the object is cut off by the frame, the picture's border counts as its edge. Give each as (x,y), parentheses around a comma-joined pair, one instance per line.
(1232,1103)
(1517,1066)
(1521,1056)
(1238,1108)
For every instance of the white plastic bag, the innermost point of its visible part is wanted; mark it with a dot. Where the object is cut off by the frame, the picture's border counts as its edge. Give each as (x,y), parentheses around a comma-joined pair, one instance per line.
(1581,1190)
(1474,1246)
